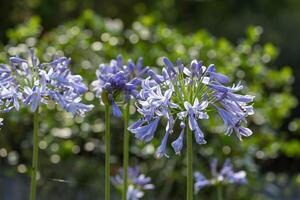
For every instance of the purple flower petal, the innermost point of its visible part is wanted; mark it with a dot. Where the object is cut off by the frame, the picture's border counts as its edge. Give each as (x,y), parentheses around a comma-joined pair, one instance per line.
(178,143)
(161,151)
(116,110)
(146,132)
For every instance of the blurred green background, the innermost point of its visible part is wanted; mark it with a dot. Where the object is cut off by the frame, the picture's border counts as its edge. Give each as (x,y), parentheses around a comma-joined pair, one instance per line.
(253,41)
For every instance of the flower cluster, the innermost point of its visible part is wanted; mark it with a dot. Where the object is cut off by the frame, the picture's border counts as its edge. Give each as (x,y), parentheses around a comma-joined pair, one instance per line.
(187,94)
(137,182)
(117,82)
(225,176)
(26,82)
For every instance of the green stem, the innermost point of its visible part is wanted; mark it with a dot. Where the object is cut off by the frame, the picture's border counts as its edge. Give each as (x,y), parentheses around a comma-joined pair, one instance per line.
(107,152)
(189,164)
(35,154)
(219,192)
(126,151)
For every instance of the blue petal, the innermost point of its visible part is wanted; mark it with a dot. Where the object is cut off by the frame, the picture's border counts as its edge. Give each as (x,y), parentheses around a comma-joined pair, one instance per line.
(78,108)
(139,64)
(180,65)
(135,81)
(242,131)
(219,77)
(161,151)
(169,65)
(143,71)
(116,110)
(57,61)
(241,98)
(199,136)
(192,122)
(226,116)
(213,167)
(34,59)
(227,167)
(57,98)
(220,88)
(119,61)
(200,181)
(4,69)
(135,124)
(34,102)
(17,60)
(155,76)
(165,74)
(16,102)
(146,133)
(196,68)
(131,66)
(178,143)
(79,87)
(211,68)
(237,177)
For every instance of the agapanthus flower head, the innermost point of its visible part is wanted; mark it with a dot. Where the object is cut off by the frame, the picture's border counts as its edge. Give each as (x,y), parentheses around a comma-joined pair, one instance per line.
(117,82)
(137,183)
(226,175)
(29,83)
(185,95)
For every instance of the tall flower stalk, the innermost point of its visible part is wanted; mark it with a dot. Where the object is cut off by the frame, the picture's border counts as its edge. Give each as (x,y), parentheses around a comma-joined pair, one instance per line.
(188,95)
(107,152)
(189,164)
(35,154)
(116,84)
(219,192)
(27,83)
(126,151)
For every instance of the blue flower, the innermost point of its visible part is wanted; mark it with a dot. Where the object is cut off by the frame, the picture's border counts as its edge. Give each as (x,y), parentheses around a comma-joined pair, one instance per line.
(200,182)
(137,183)
(117,82)
(233,122)
(230,176)
(33,96)
(226,175)
(186,94)
(77,108)
(134,193)
(9,98)
(178,143)
(217,76)
(193,113)
(144,132)
(28,83)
